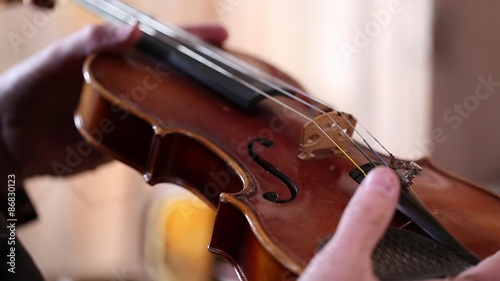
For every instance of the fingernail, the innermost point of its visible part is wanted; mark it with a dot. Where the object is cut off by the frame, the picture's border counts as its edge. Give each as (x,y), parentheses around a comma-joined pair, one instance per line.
(124,31)
(382,180)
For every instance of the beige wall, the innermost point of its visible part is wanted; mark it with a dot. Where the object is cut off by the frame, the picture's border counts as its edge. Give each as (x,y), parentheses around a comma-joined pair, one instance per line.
(467,44)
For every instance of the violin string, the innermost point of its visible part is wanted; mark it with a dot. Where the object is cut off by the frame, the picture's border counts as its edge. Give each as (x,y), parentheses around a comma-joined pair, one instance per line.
(296,98)
(297,90)
(286,93)
(203,60)
(281,90)
(300,91)
(265,78)
(270,97)
(366,142)
(233,61)
(404,225)
(376,140)
(243,67)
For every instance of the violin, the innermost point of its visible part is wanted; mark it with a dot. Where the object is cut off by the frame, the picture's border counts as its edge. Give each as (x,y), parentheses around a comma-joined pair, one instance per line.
(277,164)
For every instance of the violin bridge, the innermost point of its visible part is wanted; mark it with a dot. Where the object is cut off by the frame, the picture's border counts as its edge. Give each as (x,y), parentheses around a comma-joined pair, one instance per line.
(330,130)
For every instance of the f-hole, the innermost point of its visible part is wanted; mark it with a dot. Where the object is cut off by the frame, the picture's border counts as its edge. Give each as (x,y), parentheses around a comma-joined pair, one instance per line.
(272,196)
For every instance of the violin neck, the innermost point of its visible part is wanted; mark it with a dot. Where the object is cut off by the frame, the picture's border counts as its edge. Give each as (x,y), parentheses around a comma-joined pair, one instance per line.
(207,64)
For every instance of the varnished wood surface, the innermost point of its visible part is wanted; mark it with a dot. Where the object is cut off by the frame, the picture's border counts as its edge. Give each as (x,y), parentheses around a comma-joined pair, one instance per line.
(178,131)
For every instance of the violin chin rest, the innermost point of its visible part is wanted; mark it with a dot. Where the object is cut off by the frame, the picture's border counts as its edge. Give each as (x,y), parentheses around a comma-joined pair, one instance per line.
(405,255)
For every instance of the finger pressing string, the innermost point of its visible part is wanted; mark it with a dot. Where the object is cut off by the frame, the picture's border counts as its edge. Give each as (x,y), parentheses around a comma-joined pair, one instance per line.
(212,33)
(369,212)
(363,223)
(109,37)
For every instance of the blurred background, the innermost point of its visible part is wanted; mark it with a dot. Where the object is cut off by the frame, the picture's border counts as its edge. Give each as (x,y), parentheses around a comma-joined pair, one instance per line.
(419,75)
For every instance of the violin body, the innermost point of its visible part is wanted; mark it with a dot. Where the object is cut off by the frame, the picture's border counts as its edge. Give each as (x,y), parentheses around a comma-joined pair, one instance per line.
(274,208)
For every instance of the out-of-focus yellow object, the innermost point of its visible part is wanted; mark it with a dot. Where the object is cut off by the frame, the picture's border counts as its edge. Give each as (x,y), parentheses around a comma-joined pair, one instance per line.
(177,231)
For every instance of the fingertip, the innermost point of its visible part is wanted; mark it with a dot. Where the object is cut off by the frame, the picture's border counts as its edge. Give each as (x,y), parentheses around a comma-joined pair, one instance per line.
(487,269)
(121,36)
(369,212)
(128,33)
(135,34)
(382,180)
(97,37)
(212,33)
(220,33)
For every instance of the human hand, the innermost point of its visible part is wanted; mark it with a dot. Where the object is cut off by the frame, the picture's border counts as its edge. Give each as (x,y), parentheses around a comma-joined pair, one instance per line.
(348,255)
(38,98)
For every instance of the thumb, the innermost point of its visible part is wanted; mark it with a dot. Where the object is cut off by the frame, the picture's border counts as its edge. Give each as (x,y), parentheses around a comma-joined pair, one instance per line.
(347,256)
(212,33)
(369,212)
(485,270)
